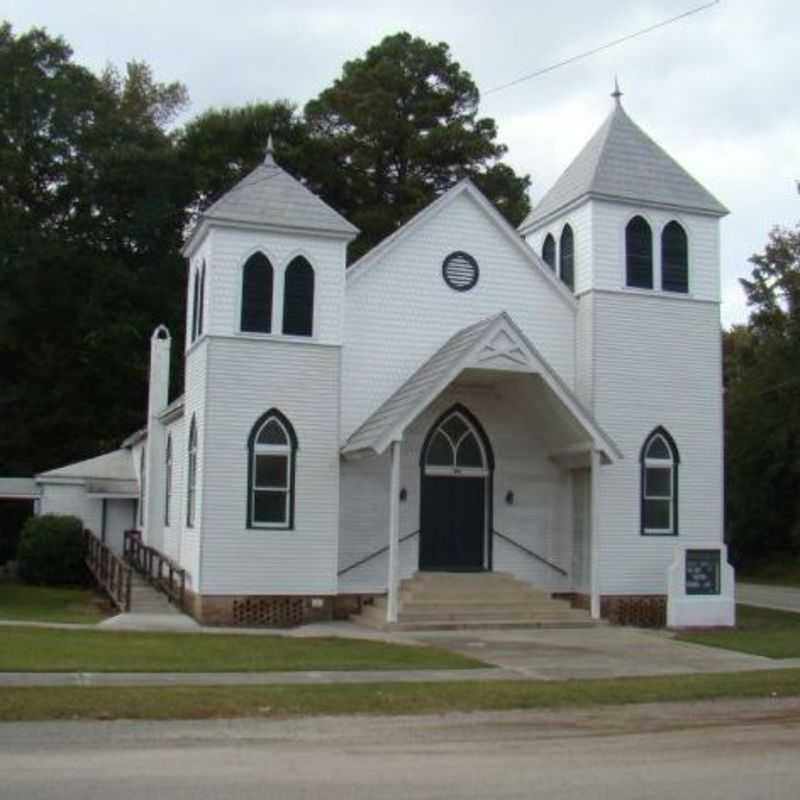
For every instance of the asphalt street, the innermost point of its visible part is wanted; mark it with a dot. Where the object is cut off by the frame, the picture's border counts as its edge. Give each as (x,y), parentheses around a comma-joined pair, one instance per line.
(733,750)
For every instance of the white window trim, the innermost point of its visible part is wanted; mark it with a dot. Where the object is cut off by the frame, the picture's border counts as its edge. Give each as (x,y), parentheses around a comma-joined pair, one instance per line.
(454,471)
(661,463)
(285,450)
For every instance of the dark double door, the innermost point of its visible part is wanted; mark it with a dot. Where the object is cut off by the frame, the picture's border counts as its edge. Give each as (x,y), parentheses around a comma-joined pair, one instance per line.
(453,523)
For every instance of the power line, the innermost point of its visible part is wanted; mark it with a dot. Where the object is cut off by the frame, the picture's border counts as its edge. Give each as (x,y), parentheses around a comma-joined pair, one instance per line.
(602,47)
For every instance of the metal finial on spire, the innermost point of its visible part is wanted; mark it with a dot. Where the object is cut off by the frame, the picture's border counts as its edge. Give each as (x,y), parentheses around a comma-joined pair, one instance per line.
(616,94)
(268,159)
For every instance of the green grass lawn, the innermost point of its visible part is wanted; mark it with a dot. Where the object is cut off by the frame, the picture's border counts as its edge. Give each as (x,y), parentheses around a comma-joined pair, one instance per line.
(206,702)
(18,601)
(55,650)
(760,631)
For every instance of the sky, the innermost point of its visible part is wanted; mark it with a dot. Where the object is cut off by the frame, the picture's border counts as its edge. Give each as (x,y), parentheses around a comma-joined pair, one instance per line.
(718,90)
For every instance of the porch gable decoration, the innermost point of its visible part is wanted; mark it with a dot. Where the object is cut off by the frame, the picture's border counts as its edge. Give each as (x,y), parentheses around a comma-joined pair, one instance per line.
(480,415)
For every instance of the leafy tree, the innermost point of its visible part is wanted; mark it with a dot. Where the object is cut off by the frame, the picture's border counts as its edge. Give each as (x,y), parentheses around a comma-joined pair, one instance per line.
(762,373)
(399,127)
(92,205)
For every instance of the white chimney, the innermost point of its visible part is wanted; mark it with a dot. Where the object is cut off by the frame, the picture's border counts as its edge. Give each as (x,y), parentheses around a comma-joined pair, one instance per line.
(157,399)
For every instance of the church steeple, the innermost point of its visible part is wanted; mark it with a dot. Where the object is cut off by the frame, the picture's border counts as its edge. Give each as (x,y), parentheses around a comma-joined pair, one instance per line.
(269,160)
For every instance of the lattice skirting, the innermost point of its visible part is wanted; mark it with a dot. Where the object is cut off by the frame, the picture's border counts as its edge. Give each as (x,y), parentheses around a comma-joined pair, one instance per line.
(642,610)
(259,611)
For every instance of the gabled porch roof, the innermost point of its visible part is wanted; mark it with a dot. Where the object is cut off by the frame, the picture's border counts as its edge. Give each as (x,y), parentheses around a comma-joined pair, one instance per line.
(495,343)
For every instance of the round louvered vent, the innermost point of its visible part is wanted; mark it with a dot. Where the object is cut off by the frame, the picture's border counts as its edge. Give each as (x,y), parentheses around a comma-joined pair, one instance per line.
(460,271)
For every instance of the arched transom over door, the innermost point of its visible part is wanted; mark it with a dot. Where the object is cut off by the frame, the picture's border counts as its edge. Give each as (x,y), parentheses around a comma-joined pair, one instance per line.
(456,469)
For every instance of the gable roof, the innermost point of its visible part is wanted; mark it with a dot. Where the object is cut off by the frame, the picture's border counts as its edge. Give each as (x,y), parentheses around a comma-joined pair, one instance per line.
(271,196)
(621,162)
(467,187)
(389,420)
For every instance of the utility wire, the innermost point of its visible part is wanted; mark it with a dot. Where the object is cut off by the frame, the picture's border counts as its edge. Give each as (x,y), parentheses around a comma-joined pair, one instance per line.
(602,47)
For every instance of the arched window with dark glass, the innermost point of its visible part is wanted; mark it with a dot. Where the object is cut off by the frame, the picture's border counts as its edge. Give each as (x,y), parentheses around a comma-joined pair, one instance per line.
(639,254)
(272,448)
(455,448)
(142,483)
(168,481)
(674,258)
(195,304)
(566,261)
(191,473)
(202,300)
(257,294)
(549,251)
(659,487)
(298,298)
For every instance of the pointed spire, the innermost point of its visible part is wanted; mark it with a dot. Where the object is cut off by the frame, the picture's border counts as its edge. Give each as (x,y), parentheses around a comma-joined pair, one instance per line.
(617,94)
(268,159)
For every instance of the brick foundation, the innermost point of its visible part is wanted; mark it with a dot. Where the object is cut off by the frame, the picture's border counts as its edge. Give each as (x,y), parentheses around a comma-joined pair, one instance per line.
(253,611)
(642,610)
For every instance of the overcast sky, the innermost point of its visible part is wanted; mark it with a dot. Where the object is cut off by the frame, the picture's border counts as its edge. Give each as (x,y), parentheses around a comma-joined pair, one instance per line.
(718,90)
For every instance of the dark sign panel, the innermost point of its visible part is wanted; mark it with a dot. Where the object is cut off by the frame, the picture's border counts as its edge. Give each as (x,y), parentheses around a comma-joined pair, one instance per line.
(702,571)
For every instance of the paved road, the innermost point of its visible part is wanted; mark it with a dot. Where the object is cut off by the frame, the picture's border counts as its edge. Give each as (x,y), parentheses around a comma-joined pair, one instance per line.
(782,597)
(736,751)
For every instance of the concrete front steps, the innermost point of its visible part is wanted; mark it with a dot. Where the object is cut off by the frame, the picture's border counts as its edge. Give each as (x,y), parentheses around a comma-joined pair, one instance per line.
(472,600)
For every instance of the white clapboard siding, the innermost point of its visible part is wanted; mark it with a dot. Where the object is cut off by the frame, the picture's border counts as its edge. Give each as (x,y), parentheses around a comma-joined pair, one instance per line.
(657,362)
(400,310)
(249,378)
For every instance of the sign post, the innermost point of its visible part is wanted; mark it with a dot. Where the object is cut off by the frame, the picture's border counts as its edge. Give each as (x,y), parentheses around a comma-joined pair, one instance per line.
(701,587)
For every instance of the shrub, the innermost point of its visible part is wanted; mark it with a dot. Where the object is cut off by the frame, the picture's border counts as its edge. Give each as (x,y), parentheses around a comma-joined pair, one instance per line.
(51,551)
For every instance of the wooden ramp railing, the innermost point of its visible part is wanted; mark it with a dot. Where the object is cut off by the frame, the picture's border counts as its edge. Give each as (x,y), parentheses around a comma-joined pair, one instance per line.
(109,570)
(159,570)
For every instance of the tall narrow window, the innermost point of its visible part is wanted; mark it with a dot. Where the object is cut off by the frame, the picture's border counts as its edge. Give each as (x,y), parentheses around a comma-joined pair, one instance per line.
(659,459)
(639,254)
(191,473)
(195,304)
(549,251)
(270,495)
(257,294)
(674,259)
(566,266)
(298,298)
(202,300)
(168,481)
(142,483)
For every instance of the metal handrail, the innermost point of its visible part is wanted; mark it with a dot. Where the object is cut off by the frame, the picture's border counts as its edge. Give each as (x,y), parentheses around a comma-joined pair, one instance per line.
(151,564)
(530,552)
(109,570)
(377,553)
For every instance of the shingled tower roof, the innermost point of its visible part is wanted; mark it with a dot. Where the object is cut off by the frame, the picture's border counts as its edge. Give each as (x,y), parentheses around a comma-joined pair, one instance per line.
(621,162)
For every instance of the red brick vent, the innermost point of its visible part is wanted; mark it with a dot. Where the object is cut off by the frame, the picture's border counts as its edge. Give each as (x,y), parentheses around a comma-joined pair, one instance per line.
(276,612)
(642,610)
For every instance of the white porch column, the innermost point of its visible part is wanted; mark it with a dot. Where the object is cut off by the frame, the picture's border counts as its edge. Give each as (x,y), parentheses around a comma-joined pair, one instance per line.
(594,520)
(394,534)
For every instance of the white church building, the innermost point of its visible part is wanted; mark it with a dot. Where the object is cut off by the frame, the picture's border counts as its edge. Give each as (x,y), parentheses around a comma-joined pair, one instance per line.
(466,398)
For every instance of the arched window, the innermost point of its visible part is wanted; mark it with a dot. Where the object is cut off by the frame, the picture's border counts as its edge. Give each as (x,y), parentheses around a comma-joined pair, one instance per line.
(549,251)
(142,484)
(674,259)
(272,446)
(195,304)
(167,480)
(455,448)
(257,294)
(566,262)
(202,300)
(659,459)
(298,298)
(639,254)
(191,473)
